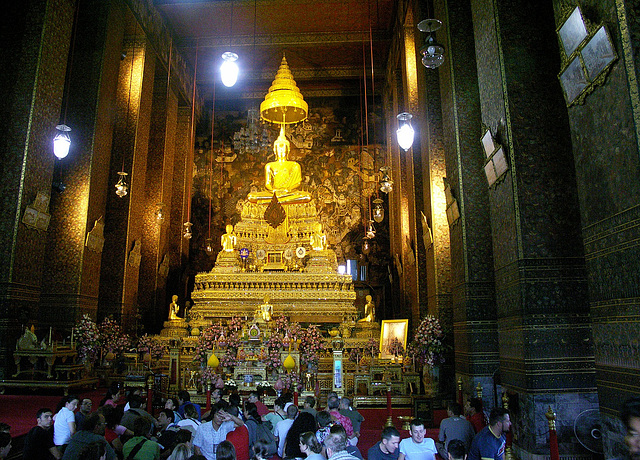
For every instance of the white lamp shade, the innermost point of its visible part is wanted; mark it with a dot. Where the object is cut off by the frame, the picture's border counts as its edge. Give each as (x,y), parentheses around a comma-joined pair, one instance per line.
(62,142)
(229,69)
(405,135)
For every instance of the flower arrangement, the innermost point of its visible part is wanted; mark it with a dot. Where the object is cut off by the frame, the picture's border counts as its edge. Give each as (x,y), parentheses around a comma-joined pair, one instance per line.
(290,382)
(312,345)
(112,339)
(371,348)
(151,345)
(208,338)
(356,354)
(207,375)
(264,385)
(281,324)
(272,359)
(395,347)
(235,324)
(229,359)
(426,346)
(87,339)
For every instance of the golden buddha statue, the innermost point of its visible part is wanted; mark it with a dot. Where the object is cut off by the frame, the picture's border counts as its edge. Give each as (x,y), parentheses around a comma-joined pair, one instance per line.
(282,177)
(229,240)
(264,311)
(318,240)
(369,311)
(173,308)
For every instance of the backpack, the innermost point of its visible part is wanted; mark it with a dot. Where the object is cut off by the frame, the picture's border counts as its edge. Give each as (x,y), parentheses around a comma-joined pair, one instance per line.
(264,433)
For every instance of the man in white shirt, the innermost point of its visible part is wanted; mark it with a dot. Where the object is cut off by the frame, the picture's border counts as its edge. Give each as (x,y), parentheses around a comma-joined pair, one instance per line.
(417,447)
(282,428)
(212,433)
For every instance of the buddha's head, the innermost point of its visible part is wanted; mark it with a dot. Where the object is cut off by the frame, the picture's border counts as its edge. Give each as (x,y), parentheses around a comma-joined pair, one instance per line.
(281,146)
(229,228)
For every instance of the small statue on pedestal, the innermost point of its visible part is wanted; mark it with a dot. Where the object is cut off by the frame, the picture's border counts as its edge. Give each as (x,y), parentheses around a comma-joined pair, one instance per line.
(369,311)
(264,311)
(229,240)
(174,308)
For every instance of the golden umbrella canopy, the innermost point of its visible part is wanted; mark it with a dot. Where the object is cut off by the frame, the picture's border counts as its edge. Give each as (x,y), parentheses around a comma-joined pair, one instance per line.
(284,103)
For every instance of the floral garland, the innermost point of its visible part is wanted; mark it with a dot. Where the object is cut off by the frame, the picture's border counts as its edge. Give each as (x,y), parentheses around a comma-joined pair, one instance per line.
(151,345)
(426,346)
(87,339)
(112,338)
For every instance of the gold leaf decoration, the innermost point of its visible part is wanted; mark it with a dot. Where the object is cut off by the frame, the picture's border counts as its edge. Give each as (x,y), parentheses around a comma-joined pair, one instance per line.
(275,213)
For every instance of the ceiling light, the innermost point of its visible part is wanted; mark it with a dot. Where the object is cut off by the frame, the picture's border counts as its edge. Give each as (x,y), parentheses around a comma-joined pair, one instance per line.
(432,51)
(405,131)
(229,69)
(62,141)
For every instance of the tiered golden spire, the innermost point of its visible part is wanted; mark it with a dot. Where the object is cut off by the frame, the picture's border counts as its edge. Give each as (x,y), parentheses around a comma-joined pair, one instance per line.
(284,103)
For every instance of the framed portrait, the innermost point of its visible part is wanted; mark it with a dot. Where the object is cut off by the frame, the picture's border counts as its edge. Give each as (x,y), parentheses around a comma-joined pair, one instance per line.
(487,143)
(573,80)
(395,328)
(572,32)
(598,53)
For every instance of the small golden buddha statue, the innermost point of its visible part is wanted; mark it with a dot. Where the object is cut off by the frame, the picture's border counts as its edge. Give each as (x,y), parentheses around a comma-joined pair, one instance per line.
(174,308)
(318,239)
(282,177)
(229,240)
(264,311)
(369,311)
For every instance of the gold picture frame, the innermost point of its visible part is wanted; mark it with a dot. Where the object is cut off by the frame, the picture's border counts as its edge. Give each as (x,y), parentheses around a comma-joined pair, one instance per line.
(393,328)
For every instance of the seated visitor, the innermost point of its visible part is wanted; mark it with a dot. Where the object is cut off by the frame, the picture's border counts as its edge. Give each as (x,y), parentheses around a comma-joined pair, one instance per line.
(491,441)
(454,427)
(387,447)
(212,433)
(38,443)
(92,431)
(417,447)
(140,447)
(64,425)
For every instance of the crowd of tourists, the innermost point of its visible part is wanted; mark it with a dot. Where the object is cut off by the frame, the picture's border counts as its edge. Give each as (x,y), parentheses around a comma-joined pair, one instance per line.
(248,430)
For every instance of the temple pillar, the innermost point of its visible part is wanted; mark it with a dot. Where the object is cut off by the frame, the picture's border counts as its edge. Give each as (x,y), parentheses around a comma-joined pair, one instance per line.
(157,258)
(473,293)
(32,93)
(544,335)
(605,133)
(180,205)
(71,278)
(124,217)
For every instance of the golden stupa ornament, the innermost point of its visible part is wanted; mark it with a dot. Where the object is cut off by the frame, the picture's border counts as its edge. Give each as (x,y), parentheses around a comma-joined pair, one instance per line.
(284,103)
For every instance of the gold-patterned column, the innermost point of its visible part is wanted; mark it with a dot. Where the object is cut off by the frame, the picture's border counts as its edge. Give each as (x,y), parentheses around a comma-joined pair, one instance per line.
(121,257)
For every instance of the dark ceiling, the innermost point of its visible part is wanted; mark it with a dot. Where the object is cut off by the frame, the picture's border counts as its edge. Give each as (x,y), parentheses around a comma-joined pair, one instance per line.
(327,44)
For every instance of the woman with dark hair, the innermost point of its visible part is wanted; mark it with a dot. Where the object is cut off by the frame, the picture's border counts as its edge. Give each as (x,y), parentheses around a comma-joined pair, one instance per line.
(252,422)
(225,451)
(324,425)
(260,450)
(310,446)
(303,423)
(112,396)
(65,421)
